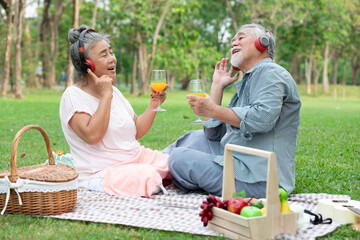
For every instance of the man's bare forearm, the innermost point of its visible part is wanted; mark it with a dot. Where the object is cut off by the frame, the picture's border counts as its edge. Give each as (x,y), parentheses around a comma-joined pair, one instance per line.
(226,115)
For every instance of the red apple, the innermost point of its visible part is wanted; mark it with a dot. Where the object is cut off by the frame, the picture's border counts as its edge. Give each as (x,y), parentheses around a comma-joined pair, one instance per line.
(236,204)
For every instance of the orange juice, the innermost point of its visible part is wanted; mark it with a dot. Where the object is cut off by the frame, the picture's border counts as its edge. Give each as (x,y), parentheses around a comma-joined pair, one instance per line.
(198,94)
(158,86)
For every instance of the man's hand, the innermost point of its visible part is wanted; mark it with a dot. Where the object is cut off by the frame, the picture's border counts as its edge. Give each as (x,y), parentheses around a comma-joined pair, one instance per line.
(222,77)
(103,85)
(202,106)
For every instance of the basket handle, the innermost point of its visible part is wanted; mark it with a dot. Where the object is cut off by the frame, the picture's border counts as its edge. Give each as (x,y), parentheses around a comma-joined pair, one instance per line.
(272,186)
(13,175)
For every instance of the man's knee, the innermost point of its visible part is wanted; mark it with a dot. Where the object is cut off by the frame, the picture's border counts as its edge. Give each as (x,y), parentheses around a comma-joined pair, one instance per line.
(176,158)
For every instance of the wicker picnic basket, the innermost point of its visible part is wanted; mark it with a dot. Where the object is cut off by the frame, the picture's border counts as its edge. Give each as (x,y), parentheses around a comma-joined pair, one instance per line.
(38,189)
(265,227)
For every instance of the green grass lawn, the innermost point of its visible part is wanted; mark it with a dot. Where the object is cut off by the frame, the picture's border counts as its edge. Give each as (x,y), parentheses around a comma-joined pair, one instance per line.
(327,156)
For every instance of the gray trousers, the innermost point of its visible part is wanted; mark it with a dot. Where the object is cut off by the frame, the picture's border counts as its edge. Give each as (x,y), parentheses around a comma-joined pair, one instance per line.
(192,167)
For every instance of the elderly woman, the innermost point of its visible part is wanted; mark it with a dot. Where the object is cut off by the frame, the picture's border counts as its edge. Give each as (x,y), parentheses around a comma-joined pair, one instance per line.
(102,128)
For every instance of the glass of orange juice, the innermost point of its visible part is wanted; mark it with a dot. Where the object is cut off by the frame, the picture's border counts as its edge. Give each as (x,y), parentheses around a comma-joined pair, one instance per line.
(158,83)
(197,88)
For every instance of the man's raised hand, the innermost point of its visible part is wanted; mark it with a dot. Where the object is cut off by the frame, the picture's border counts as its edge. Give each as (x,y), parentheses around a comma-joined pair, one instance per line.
(221,74)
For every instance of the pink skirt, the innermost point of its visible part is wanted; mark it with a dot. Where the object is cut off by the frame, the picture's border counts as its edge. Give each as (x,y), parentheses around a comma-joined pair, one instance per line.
(139,176)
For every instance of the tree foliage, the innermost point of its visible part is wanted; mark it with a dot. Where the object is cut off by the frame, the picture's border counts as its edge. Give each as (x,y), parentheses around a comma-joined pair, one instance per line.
(193,36)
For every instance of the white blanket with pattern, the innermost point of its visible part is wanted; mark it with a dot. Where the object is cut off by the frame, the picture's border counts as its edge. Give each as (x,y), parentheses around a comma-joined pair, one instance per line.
(175,212)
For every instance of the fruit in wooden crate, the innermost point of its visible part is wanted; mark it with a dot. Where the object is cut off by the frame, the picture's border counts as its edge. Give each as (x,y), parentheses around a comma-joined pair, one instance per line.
(250,211)
(258,204)
(284,205)
(236,204)
(263,211)
(206,206)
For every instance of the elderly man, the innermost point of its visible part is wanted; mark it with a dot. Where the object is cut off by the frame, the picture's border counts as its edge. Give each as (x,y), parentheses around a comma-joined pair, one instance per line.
(264,114)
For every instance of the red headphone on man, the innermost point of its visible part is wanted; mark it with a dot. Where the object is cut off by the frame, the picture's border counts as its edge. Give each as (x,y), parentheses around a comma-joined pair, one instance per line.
(85,63)
(263,42)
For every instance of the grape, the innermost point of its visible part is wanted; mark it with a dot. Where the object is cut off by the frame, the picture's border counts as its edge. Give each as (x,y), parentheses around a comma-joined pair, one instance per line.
(210,215)
(211,201)
(226,202)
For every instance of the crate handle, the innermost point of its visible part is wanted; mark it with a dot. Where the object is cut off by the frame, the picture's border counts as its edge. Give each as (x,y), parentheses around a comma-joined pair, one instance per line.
(272,196)
(13,175)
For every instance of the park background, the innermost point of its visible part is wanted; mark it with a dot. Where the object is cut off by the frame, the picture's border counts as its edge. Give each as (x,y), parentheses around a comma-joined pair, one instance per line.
(318,42)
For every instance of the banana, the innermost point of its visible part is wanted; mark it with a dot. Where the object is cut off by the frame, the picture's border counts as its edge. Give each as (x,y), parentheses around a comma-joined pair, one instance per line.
(284,206)
(263,211)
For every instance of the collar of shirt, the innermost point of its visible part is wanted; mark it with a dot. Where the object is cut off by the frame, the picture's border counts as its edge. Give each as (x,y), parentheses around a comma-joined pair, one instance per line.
(239,84)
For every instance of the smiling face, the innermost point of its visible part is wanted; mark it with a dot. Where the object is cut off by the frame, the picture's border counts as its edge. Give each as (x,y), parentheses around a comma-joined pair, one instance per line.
(243,51)
(104,59)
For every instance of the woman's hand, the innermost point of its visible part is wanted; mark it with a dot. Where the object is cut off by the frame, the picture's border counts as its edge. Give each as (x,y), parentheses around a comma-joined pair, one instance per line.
(91,129)
(157,96)
(144,121)
(103,85)
(222,77)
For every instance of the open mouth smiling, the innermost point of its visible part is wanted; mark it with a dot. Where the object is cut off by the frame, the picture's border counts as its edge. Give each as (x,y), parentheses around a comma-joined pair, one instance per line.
(236,50)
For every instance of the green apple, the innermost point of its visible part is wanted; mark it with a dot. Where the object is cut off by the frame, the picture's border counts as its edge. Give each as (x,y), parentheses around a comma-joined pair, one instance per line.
(250,211)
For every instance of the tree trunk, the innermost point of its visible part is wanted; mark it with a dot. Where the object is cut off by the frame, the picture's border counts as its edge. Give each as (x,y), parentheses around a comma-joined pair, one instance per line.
(335,66)
(301,78)
(93,19)
(119,63)
(231,15)
(172,82)
(316,78)
(54,33)
(133,74)
(37,47)
(355,65)
(51,79)
(141,56)
(30,82)
(44,39)
(295,67)
(344,72)
(60,7)
(309,68)
(185,82)
(70,67)
(18,23)
(308,76)
(194,55)
(153,48)
(7,50)
(325,79)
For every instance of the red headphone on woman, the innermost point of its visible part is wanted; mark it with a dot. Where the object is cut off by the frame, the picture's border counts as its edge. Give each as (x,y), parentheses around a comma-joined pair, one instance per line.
(85,63)
(263,42)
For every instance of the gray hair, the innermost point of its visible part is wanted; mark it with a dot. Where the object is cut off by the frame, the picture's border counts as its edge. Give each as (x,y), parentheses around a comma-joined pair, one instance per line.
(89,41)
(259,31)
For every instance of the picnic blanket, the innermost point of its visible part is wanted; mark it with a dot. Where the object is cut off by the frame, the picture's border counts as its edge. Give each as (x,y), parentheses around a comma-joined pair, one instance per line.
(175,212)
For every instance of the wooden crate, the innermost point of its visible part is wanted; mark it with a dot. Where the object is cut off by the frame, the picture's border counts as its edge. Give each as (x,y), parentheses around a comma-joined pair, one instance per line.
(265,227)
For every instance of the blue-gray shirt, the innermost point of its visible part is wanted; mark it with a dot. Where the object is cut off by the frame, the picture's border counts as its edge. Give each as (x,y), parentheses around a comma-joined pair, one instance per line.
(268,103)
